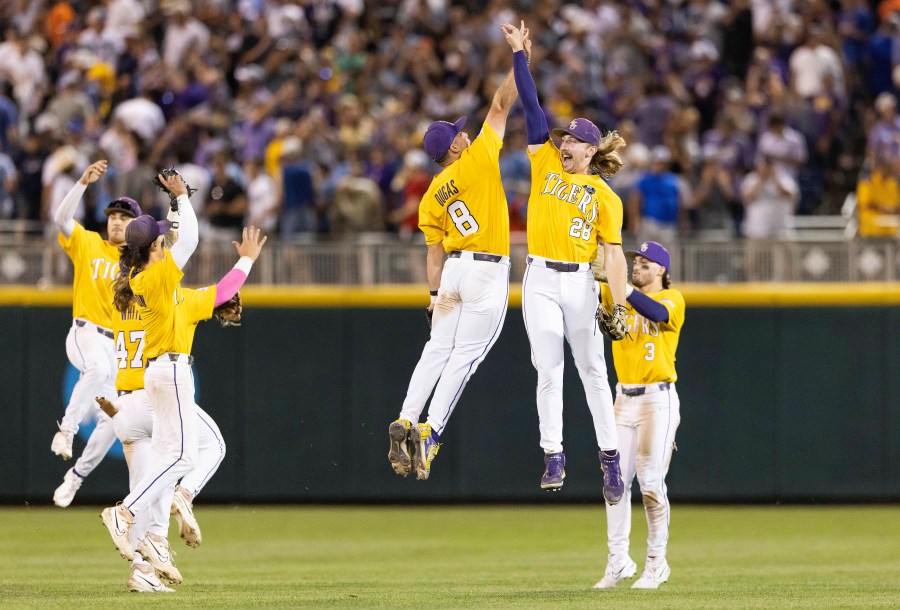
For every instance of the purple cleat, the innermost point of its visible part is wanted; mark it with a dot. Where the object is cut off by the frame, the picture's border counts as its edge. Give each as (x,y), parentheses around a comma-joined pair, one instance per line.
(554,471)
(613,486)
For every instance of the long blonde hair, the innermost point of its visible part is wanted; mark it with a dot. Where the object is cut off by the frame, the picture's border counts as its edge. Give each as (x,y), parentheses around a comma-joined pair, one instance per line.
(608,160)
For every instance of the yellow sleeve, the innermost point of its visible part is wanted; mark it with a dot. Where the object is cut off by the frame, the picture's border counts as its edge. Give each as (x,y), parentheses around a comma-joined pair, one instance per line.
(544,159)
(431,214)
(609,217)
(200,303)
(484,154)
(75,243)
(673,300)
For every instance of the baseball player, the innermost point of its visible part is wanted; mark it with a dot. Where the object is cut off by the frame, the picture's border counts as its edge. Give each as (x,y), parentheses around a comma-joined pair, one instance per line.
(647,412)
(169,319)
(570,209)
(465,215)
(89,344)
(133,422)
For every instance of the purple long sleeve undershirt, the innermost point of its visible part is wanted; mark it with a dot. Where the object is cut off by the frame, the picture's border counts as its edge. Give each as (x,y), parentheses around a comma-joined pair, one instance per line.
(647,307)
(536,128)
(229,285)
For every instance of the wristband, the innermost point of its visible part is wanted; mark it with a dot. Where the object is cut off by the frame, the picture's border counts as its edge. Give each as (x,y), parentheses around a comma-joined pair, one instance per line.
(433,293)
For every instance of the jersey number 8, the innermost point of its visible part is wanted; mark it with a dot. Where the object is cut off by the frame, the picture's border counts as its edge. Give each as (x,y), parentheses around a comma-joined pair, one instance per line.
(580,228)
(462,218)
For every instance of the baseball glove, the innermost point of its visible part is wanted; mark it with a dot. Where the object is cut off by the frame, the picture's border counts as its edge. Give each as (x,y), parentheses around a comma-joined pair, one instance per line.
(429,314)
(169,172)
(229,312)
(107,407)
(612,324)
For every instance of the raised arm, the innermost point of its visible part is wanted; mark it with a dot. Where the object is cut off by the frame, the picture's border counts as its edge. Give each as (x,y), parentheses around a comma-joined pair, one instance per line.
(188,232)
(536,127)
(505,97)
(647,307)
(65,213)
(249,250)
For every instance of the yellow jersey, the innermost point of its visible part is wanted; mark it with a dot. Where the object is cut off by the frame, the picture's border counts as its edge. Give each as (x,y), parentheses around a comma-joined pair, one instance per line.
(193,307)
(647,355)
(568,214)
(169,312)
(96,264)
(465,205)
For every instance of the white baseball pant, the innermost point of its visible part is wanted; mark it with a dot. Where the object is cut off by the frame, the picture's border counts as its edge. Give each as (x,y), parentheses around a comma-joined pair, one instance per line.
(646,426)
(94,355)
(561,305)
(134,427)
(170,388)
(468,315)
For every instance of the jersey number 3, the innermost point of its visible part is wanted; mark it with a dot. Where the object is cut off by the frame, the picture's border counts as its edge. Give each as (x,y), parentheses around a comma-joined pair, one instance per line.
(462,218)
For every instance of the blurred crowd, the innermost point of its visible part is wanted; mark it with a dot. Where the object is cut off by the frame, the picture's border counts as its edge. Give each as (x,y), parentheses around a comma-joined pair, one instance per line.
(306,116)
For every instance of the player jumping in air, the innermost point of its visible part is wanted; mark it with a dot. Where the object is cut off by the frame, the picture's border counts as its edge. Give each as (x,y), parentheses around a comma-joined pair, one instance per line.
(570,210)
(464,214)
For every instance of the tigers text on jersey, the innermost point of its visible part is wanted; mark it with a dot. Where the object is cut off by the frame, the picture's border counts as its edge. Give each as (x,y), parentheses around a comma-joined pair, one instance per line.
(169,312)
(128,329)
(96,267)
(647,355)
(465,206)
(569,213)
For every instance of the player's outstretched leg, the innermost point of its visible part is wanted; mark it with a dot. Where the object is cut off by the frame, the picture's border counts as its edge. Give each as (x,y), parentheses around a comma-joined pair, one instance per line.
(142,579)
(425,445)
(183,511)
(65,493)
(554,471)
(617,569)
(656,572)
(399,452)
(613,486)
(61,444)
(155,549)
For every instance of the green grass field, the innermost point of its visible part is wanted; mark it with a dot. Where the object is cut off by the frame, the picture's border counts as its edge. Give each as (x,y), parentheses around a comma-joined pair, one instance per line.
(473,557)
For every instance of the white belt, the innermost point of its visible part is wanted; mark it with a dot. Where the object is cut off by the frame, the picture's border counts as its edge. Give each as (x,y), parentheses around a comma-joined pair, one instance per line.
(641,389)
(480,256)
(82,323)
(561,266)
(172,357)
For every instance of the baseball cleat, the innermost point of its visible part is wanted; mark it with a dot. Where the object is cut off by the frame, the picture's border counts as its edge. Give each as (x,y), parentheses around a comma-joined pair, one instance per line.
(613,486)
(398,454)
(155,549)
(65,493)
(143,579)
(554,471)
(183,511)
(424,449)
(655,573)
(118,520)
(616,571)
(62,444)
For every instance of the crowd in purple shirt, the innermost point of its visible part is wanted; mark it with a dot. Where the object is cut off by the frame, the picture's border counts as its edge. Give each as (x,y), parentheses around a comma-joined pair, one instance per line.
(306,116)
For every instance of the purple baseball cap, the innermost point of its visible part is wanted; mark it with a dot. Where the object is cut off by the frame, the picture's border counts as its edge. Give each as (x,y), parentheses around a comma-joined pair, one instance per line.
(126,205)
(439,137)
(581,129)
(143,230)
(653,251)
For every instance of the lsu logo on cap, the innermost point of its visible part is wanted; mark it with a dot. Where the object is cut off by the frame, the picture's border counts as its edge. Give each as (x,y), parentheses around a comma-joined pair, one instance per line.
(644,247)
(573,124)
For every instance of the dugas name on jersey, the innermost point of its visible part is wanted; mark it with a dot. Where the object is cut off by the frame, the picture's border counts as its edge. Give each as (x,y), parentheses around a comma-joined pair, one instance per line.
(446,192)
(580,196)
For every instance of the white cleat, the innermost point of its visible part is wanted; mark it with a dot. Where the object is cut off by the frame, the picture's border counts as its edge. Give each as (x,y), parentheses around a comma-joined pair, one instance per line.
(616,572)
(62,444)
(155,549)
(656,572)
(183,511)
(118,520)
(143,580)
(65,493)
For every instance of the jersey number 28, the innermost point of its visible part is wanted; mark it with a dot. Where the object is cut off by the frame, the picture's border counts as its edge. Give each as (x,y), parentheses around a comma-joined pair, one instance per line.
(135,340)
(580,228)
(462,218)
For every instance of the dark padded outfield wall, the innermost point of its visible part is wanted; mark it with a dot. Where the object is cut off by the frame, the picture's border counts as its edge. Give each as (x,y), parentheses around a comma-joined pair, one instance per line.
(787,394)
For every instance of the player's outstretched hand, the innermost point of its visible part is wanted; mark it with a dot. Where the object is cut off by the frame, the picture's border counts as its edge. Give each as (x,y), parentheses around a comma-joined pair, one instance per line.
(174,183)
(93,172)
(251,244)
(515,37)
